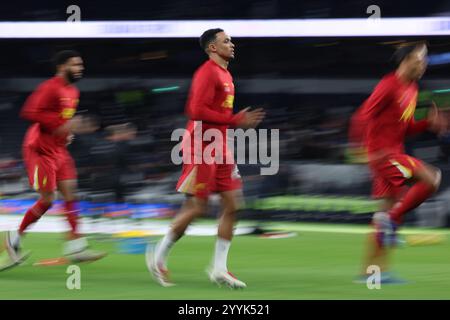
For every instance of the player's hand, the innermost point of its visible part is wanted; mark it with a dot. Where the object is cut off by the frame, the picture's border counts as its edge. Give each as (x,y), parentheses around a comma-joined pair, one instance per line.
(69,127)
(87,125)
(438,123)
(251,119)
(70,138)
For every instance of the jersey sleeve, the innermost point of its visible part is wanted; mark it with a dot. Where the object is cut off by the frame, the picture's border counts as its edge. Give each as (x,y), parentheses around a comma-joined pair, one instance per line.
(201,99)
(38,108)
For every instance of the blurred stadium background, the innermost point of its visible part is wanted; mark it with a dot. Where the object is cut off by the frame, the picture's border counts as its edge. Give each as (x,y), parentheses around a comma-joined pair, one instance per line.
(310,86)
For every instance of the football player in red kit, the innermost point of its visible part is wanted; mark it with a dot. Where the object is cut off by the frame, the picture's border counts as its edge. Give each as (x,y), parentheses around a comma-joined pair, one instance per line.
(382,123)
(51,110)
(210,105)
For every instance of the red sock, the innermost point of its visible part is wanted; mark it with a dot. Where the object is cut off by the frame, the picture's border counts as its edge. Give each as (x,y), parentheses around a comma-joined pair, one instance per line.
(417,194)
(33,214)
(72,210)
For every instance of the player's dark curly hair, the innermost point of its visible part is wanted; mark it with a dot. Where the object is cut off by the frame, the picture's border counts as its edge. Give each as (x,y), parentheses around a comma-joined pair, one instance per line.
(208,36)
(402,52)
(62,56)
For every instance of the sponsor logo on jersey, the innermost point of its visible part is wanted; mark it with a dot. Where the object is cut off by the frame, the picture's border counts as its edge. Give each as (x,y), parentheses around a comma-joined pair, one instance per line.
(228,103)
(67,113)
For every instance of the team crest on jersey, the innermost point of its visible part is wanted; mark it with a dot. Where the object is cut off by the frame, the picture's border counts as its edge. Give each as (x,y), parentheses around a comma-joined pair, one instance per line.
(69,102)
(226,87)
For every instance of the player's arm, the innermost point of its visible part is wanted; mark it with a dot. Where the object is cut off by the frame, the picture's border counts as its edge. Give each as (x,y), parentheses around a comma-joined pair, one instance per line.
(434,122)
(201,100)
(38,109)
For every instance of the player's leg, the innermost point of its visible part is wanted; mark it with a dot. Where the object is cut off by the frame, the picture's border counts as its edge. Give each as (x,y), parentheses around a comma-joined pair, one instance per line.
(33,214)
(38,209)
(375,254)
(76,247)
(192,208)
(387,194)
(231,202)
(14,237)
(41,174)
(194,182)
(426,179)
(67,188)
(42,177)
(397,171)
(156,258)
(229,184)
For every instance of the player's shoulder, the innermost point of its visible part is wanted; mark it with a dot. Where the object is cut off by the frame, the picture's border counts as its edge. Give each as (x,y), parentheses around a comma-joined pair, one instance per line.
(45,87)
(207,67)
(48,84)
(55,83)
(387,82)
(389,78)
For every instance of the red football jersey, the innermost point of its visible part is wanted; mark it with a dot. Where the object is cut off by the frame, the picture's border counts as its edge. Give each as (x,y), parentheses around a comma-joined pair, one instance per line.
(387,117)
(211,100)
(51,105)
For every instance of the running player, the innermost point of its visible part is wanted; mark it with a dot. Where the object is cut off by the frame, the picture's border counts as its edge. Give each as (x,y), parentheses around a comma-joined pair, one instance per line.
(51,109)
(385,119)
(210,104)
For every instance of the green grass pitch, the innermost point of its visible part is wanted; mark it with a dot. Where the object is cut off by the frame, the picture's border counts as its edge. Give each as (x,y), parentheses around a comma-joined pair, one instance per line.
(313,265)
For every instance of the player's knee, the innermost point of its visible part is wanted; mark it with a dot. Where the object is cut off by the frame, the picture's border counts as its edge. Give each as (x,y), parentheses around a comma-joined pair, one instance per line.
(432,177)
(197,213)
(387,204)
(47,198)
(198,210)
(434,180)
(70,198)
(232,207)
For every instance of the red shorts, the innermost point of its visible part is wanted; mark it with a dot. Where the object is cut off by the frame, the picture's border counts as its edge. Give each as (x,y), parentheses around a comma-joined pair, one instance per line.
(391,173)
(45,171)
(202,179)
